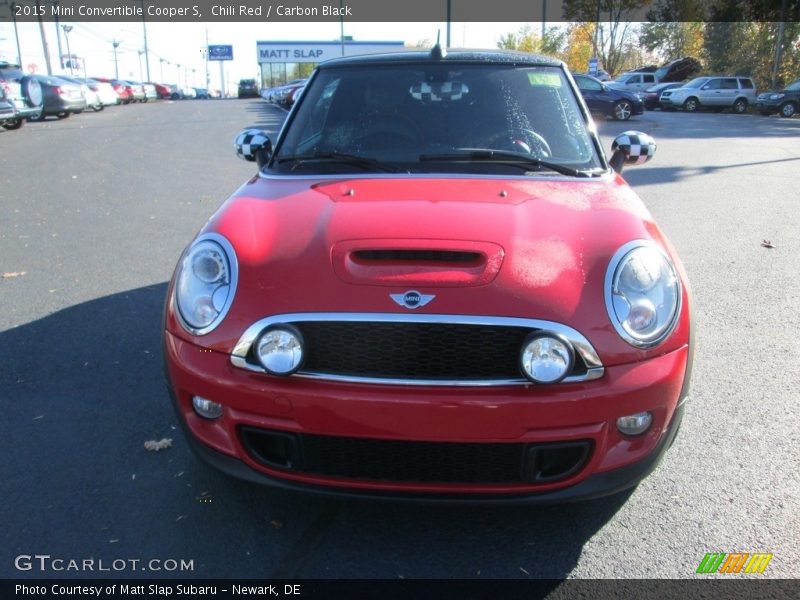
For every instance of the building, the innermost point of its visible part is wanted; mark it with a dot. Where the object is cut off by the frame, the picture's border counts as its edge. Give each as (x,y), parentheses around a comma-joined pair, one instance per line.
(281,62)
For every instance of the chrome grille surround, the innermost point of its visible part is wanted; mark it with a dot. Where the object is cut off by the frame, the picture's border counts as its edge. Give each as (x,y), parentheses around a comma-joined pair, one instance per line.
(582,347)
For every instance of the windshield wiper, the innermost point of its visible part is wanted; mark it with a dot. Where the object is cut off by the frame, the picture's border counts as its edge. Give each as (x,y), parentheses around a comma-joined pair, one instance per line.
(339,157)
(504,157)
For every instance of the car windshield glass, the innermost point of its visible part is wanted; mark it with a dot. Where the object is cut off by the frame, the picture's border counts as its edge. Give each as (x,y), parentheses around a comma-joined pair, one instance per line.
(696,83)
(392,115)
(793,87)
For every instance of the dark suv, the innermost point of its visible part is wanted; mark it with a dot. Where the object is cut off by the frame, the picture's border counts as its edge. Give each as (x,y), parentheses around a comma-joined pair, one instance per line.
(784,102)
(248,88)
(24,92)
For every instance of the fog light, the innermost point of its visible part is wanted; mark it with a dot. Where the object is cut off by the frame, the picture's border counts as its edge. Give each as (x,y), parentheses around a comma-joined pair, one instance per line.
(546,358)
(635,424)
(206,408)
(280,350)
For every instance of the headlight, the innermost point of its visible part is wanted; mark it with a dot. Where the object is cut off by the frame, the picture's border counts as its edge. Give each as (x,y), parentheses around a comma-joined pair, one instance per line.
(206,284)
(776,96)
(280,350)
(546,358)
(643,294)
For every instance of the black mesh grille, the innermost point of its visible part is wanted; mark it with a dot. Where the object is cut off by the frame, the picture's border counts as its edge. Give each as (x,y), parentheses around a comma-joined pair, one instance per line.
(404,461)
(448,256)
(413,350)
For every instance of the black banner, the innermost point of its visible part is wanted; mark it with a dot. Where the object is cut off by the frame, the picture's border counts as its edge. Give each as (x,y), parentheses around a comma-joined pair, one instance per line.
(733,588)
(293,11)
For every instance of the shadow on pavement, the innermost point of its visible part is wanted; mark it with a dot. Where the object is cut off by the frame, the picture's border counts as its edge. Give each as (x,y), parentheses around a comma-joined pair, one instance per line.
(83,389)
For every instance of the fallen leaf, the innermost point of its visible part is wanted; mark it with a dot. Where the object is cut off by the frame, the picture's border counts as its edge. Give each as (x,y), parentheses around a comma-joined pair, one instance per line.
(180,518)
(158,445)
(11,274)
(179,474)
(767,244)
(524,571)
(113,541)
(133,477)
(276,524)
(39,417)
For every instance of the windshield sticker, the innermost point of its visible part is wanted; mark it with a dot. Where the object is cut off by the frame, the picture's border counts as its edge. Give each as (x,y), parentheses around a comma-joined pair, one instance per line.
(538,78)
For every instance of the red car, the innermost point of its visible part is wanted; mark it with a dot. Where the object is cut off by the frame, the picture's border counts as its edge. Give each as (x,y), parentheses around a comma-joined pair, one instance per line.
(435,285)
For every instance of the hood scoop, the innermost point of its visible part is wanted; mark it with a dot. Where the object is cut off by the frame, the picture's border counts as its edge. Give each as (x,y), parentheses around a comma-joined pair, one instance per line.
(392,262)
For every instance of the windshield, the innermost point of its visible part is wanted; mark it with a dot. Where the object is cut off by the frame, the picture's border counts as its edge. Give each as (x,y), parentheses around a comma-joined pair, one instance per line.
(696,83)
(793,87)
(433,118)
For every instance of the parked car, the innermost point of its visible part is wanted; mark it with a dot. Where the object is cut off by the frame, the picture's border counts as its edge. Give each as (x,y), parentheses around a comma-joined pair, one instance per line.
(150,92)
(92,97)
(611,102)
(61,98)
(785,102)
(104,90)
(247,89)
(678,70)
(163,90)
(121,88)
(201,93)
(633,82)
(21,89)
(9,118)
(651,95)
(136,90)
(435,285)
(717,93)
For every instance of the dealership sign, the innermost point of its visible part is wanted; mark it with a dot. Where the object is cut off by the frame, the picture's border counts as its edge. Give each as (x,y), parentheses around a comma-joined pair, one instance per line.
(220,52)
(316,52)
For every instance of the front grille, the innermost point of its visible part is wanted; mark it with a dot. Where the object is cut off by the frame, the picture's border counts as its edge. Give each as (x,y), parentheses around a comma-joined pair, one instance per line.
(423,462)
(415,349)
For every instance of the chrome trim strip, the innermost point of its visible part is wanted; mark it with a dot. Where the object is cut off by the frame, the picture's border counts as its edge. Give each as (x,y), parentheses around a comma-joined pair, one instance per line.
(582,346)
(543,176)
(608,293)
(233,265)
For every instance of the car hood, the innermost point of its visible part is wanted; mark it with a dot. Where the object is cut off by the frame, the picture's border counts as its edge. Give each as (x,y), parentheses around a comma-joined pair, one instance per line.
(535,248)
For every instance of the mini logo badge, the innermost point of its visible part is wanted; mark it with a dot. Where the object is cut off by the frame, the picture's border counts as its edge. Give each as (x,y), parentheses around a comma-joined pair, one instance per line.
(412,299)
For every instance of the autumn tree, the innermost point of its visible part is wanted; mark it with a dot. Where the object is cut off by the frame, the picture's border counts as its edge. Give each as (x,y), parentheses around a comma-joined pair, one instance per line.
(526,40)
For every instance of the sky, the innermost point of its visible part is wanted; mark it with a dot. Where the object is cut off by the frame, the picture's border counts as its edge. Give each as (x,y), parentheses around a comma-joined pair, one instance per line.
(170,44)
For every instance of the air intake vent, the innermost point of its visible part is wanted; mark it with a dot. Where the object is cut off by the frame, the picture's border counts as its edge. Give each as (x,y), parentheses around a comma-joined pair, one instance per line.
(442,256)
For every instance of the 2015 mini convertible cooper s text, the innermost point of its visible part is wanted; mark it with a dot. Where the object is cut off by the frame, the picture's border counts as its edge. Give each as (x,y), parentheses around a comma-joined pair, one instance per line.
(436,285)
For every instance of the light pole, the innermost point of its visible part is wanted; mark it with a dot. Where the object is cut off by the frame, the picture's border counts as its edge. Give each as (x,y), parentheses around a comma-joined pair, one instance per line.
(67,29)
(146,53)
(16,33)
(161,60)
(45,49)
(140,64)
(116,44)
(58,36)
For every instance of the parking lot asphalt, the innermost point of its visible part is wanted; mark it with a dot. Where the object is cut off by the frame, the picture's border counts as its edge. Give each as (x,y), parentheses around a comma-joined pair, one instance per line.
(95,212)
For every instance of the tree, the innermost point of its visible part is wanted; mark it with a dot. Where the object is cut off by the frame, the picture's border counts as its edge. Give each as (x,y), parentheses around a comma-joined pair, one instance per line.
(525,40)
(674,39)
(615,33)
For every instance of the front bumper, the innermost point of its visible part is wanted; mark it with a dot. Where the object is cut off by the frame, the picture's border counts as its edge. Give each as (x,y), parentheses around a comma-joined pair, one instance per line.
(502,415)
(767,106)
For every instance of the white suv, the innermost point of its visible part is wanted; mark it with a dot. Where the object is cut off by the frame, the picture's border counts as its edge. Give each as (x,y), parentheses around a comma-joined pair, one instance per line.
(711,92)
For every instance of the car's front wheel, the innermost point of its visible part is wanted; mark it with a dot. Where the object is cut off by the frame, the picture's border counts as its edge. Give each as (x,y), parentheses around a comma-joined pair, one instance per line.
(622,110)
(788,110)
(740,106)
(691,105)
(13,124)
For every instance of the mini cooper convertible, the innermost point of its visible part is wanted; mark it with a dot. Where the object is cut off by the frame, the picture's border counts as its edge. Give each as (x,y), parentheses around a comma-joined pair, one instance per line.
(435,286)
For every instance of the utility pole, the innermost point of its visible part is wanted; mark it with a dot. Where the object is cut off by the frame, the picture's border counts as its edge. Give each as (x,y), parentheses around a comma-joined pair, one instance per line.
(58,36)
(140,64)
(67,29)
(45,49)
(544,18)
(116,44)
(449,7)
(341,25)
(161,60)
(208,77)
(16,32)
(146,54)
